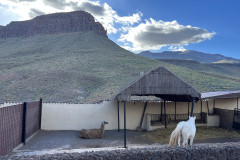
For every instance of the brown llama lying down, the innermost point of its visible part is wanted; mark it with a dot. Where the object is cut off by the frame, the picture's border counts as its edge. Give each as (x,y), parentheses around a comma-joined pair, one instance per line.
(93,133)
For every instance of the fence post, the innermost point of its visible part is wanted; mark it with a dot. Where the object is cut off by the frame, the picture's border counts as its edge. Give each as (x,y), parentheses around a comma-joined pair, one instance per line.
(24,123)
(40,113)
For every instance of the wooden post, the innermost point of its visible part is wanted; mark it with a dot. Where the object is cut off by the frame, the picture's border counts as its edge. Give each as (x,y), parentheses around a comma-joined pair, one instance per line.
(237,103)
(208,107)
(201,108)
(161,111)
(118,117)
(24,123)
(143,113)
(40,114)
(192,107)
(213,105)
(125,134)
(165,114)
(175,111)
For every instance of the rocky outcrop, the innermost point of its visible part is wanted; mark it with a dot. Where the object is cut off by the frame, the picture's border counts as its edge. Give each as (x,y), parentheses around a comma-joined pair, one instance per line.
(77,21)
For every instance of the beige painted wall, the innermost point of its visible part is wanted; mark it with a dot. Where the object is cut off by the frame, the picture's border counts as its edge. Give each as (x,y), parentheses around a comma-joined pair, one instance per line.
(228,104)
(87,116)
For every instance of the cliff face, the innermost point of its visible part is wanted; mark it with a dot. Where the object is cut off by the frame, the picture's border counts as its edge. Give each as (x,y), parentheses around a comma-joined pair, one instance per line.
(77,21)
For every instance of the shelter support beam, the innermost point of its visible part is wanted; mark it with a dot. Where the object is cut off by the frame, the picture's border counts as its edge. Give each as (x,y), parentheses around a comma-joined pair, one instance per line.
(175,111)
(165,119)
(125,134)
(237,103)
(118,117)
(213,105)
(144,109)
(208,107)
(192,107)
(161,110)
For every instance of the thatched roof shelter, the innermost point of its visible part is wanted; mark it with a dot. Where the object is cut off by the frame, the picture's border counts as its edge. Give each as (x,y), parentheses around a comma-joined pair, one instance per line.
(160,83)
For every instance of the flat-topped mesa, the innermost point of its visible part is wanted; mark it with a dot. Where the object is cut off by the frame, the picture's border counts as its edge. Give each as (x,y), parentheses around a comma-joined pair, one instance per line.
(77,21)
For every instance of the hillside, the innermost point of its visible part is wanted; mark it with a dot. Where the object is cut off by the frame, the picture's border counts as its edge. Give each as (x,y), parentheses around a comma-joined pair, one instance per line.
(69,68)
(190,55)
(213,68)
(82,67)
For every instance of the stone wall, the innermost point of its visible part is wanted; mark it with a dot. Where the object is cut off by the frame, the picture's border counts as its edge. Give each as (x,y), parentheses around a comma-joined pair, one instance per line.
(201,151)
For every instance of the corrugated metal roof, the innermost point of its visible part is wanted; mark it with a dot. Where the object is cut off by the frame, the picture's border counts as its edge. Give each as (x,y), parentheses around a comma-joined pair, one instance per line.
(221,94)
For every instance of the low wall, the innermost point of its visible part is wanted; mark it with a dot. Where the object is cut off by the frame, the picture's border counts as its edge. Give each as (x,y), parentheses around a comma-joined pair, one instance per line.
(202,151)
(60,116)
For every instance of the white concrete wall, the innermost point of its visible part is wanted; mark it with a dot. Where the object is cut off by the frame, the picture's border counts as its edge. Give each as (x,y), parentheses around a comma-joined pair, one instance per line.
(78,116)
(87,116)
(60,116)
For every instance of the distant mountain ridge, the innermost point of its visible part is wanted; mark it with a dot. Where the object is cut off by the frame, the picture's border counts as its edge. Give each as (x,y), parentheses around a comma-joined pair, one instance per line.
(77,21)
(190,55)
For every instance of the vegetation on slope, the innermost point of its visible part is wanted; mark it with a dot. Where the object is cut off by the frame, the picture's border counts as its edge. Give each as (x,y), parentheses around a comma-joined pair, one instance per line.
(81,67)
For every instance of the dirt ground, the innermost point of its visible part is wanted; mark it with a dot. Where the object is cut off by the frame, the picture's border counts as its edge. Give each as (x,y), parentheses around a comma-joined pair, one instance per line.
(48,141)
(203,135)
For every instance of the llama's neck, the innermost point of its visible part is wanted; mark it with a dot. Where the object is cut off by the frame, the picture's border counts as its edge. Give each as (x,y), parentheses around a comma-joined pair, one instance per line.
(191,121)
(102,127)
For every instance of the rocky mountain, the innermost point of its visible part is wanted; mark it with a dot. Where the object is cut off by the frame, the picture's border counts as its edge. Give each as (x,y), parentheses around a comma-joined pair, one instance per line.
(77,21)
(190,55)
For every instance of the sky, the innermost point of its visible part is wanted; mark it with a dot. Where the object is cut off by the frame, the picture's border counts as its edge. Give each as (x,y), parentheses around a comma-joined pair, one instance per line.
(210,26)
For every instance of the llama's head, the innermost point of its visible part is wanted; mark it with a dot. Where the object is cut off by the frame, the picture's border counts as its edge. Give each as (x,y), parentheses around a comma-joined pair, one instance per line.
(192,118)
(104,122)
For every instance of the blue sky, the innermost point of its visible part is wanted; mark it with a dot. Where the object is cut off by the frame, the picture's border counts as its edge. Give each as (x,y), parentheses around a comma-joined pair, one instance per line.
(210,26)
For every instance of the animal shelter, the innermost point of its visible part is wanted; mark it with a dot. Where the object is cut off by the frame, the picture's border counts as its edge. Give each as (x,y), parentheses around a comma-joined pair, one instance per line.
(162,84)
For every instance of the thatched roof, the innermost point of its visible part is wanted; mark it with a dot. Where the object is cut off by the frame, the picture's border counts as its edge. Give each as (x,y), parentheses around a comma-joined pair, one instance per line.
(219,95)
(160,83)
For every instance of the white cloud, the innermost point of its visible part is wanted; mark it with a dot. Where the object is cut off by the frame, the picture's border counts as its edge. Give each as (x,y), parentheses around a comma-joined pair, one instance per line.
(177,48)
(153,35)
(103,13)
(129,20)
(136,35)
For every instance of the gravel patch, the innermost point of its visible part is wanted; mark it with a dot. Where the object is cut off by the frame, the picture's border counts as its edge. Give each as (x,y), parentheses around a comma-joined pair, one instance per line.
(220,151)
